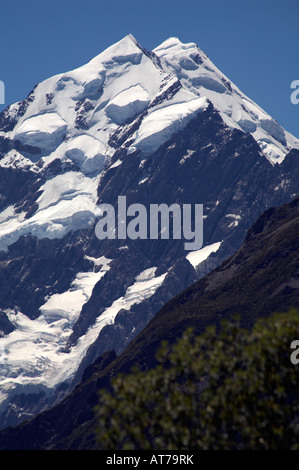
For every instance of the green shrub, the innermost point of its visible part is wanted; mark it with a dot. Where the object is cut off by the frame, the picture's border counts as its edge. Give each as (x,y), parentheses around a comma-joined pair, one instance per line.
(229,388)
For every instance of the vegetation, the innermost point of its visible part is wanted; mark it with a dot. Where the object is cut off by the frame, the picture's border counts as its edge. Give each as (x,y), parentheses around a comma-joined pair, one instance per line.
(229,388)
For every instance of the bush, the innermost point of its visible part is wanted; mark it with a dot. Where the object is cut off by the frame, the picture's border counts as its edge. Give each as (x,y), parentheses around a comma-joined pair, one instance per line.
(226,389)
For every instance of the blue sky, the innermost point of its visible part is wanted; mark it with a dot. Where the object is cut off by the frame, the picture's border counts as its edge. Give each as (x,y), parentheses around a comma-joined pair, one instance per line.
(254,43)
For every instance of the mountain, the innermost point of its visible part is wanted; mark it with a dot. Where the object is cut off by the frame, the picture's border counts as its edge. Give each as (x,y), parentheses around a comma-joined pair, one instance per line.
(156,127)
(262,277)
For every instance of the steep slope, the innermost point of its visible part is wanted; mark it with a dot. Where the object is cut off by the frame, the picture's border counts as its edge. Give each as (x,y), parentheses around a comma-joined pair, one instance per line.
(156,127)
(196,72)
(262,277)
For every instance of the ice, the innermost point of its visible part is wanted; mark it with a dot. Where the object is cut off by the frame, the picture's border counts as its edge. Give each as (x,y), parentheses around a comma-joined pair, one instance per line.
(14,159)
(67,202)
(34,351)
(116,164)
(144,287)
(67,305)
(43,131)
(210,83)
(274,129)
(198,256)
(161,124)
(72,117)
(127,104)
(93,89)
(199,75)
(96,99)
(88,152)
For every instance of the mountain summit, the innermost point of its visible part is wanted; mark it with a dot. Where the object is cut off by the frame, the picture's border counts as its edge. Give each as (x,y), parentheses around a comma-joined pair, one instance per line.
(159,127)
(197,73)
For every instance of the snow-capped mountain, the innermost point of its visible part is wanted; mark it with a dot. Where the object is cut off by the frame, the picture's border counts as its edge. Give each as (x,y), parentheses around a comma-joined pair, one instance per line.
(158,127)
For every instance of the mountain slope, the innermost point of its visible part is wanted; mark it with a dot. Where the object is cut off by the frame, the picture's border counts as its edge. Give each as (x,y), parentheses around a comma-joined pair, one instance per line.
(156,127)
(262,277)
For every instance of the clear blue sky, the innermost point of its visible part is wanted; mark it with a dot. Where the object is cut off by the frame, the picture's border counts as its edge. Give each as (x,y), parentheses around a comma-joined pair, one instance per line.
(255,43)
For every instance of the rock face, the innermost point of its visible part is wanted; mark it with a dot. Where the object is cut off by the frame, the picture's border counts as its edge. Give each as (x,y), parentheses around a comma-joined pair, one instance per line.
(161,127)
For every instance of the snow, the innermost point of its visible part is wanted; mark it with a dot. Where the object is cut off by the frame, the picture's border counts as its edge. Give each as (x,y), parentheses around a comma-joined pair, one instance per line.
(33,355)
(101,261)
(116,164)
(198,74)
(72,118)
(160,125)
(67,202)
(14,159)
(45,131)
(73,114)
(144,287)
(198,256)
(236,218)
(86,150)
(127,104)
(65,307)
(185,157)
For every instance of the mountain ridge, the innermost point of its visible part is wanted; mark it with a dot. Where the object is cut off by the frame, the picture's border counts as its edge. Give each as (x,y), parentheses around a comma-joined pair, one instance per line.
(271,245)
(156,127)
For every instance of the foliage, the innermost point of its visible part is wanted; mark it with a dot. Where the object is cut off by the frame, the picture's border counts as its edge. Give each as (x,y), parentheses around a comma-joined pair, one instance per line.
(229,388)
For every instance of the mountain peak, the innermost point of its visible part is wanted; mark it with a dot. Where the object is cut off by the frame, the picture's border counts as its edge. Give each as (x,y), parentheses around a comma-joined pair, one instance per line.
(116,86)
(198,74)
(128,39)
(125,46)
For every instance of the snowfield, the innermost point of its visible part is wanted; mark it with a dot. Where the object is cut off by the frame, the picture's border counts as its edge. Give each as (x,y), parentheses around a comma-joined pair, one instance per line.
(161,124)
(197,73)
(68,202)
(33,356)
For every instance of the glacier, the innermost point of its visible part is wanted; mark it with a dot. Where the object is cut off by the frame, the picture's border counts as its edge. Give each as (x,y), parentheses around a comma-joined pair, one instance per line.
(90,122)
(35,356)
(72,116)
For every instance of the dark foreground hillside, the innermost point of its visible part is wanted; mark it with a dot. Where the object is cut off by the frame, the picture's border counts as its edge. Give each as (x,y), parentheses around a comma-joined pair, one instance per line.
(261,278)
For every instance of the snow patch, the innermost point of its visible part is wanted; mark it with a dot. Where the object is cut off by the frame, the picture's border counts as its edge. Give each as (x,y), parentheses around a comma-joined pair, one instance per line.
(185,157)
(14,159)
(68,202)
(235,222)
(88,152)
(44,131)
(198,256)
(127,104)
(198,74)
(116,164)
(160,125)
(34,353)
